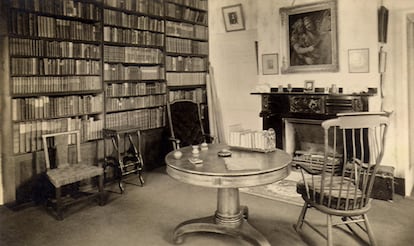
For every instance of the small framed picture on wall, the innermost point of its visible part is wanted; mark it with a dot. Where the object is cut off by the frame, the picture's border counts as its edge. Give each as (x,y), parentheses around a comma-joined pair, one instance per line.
(233,18)
(270,64)
(358,60)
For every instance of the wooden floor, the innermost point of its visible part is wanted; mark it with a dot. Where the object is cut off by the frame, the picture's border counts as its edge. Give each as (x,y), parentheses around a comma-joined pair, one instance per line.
(147,216)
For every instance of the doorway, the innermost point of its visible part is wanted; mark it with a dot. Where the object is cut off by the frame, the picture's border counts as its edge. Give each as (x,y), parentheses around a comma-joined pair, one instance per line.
(410,78)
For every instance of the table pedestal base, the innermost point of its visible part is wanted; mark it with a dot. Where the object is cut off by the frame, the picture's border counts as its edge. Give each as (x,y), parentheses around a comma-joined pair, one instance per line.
(230,219)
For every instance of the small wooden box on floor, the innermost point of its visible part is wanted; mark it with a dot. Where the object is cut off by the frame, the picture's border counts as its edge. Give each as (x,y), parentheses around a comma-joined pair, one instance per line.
(383,188)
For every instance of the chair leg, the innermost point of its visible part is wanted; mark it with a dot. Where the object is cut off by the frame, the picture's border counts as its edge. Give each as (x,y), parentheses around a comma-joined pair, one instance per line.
(141,178)
(369,230)
(59,203)
(302,215)
(329,222)
(101,190)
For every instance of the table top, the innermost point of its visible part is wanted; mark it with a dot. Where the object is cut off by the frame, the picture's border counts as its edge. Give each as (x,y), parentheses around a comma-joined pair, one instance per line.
(244,168)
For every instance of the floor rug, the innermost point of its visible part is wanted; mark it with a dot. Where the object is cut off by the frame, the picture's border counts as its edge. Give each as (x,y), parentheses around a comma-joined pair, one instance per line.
(283,190)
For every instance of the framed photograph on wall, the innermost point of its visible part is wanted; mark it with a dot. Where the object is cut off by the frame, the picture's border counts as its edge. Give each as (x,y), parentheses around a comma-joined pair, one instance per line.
(358,60)
(270,64)
(309,38)
(233,18)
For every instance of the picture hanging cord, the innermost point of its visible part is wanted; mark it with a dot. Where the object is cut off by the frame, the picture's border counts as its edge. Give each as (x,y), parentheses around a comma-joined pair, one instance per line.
(381,81)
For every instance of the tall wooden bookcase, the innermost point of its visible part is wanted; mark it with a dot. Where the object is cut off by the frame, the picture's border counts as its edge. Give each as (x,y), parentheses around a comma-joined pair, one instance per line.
(186,31)
(134,76)
(55,71)
(91,64)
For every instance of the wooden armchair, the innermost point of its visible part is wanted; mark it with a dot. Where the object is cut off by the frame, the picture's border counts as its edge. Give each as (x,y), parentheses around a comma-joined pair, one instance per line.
(186,127)
(64,168)
(358,142)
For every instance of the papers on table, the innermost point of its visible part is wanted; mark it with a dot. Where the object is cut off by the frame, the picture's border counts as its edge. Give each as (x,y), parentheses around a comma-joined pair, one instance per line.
(235,164)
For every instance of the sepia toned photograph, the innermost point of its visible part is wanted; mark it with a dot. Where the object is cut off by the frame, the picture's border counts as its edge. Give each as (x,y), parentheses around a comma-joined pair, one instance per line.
(206,123)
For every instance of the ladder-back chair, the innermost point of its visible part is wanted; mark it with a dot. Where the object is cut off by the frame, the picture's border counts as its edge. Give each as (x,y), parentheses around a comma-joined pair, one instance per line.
(358,141)
(64,167)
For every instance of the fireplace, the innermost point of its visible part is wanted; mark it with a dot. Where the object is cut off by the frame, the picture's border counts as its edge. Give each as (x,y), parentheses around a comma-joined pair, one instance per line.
(296,117)
(304,140)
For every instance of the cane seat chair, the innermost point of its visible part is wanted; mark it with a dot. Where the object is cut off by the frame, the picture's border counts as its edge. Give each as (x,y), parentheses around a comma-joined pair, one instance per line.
(357,141)
(185,124)
(65,170)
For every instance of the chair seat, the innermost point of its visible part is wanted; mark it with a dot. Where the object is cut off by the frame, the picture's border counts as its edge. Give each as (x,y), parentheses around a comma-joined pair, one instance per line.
(70,174)
(350,197)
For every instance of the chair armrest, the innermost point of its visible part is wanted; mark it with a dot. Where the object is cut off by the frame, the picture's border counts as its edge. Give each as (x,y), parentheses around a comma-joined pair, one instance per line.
(175,142)
(208,138)
(308,169)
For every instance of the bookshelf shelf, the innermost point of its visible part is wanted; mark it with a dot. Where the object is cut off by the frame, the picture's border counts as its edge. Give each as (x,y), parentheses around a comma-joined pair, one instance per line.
(65,93)
(134,81)
(134,13)
(185,87)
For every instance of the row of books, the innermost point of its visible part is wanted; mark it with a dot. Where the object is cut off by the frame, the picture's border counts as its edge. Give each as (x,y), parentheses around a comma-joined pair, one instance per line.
(126,103)
(152,7)
(197,95)
(180,63)
(142,118)
(61,49)
(52,66)
(35,85)
(132,55)
(43,107)
(135,89)
(176,79)
(187,14)
(252,139)
(116,18)
(186,30)
(84,10)
(199,4)
(122,72)
(187,46)
(136,37)
(29,24)
(27,136)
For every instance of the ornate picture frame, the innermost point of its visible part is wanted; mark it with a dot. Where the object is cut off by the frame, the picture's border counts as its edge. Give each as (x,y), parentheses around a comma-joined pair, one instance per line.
(309,38)
(270,64)
(233,18)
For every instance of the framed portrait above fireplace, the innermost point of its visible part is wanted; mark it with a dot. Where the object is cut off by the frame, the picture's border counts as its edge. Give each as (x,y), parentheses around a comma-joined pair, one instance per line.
(309,38)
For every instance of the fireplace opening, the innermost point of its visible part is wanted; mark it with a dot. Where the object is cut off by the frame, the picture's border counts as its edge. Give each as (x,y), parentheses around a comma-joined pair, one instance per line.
(304,140)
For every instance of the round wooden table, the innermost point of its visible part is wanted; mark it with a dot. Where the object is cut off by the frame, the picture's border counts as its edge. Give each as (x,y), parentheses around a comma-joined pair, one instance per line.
(227,174)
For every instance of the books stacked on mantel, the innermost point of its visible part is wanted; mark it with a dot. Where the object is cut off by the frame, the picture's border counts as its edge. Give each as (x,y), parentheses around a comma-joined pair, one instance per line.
(254,140)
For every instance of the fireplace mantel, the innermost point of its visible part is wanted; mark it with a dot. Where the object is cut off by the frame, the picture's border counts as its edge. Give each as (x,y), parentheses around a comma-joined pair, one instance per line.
(277,106)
